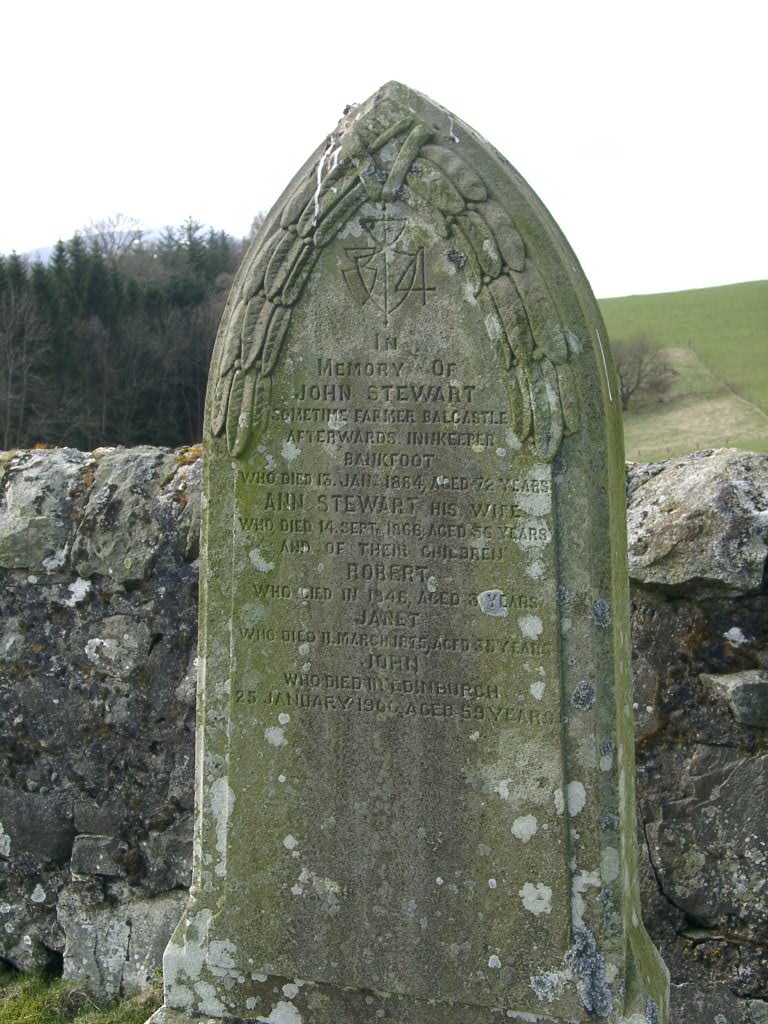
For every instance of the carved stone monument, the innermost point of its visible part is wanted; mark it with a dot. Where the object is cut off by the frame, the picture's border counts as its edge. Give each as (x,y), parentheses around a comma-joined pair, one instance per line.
(415,788)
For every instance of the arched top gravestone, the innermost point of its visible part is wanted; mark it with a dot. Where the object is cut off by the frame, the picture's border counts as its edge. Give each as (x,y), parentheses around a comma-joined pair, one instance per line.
(415,779)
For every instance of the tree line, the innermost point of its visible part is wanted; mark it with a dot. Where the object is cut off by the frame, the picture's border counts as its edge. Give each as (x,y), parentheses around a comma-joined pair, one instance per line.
(109,341)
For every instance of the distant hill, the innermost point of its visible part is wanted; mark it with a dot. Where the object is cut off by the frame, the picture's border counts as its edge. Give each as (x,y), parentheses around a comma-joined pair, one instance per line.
(39,255)
(716,339)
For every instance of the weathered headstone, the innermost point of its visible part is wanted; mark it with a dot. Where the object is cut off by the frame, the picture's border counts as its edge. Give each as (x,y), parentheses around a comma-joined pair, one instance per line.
(415,791)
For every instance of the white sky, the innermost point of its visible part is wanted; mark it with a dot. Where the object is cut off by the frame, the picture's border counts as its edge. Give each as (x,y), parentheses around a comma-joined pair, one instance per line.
(642,126)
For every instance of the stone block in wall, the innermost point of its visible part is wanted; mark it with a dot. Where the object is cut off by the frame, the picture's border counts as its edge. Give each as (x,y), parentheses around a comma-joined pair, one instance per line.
(692,1005)
(114,947)
(713,846)
(35,827)
(746,694)
(700,521)
(168,854)
(40,492)
(94,818)
(121,528)
(97,855)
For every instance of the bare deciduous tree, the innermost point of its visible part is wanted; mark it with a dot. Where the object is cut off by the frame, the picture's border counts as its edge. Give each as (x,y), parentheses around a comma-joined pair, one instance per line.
(641,367)
(115,235)
(24,345)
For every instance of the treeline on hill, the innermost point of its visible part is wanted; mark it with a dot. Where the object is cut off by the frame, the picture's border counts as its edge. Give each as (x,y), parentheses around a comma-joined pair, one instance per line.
(109,342)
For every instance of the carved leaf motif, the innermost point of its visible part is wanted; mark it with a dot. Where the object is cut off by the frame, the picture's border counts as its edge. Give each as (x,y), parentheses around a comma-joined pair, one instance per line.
(508,238)
(466,180)
(328,229)
(533,330)
(526,412)
(465,252)
(516,405)
(234,410)
(426,210)
(226,358)
(220,402)
(568,398)
(540,407)
(276,332)
(250,337)
(433,186)
(483,243)
(542,315)
(494,326)
(261,395)
(398,128)
(322,203)
(298,276)
(549,440)
(513,316)
(231,329)
(297,203)
(286,251)
(245,419)
(253,341)
(371,178)
(408,153)
(254,280)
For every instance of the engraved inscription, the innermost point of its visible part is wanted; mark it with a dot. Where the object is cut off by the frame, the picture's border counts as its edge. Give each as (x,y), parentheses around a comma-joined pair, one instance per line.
(402,534)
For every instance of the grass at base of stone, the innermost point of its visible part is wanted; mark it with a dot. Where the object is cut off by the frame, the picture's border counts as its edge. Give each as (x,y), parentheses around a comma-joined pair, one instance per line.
(41,999)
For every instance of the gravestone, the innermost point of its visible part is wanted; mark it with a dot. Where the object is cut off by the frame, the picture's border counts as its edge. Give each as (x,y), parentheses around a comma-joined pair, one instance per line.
(415,786)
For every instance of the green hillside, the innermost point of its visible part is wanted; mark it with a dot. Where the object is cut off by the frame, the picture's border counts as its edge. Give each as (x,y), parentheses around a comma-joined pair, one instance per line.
(716,340)
(727,327)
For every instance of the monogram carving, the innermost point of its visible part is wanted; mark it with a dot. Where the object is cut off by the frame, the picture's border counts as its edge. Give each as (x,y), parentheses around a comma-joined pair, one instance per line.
(384,273)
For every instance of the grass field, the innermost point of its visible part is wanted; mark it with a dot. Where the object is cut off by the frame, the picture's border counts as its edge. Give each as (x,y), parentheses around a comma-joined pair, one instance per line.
(716,340)
(35,999)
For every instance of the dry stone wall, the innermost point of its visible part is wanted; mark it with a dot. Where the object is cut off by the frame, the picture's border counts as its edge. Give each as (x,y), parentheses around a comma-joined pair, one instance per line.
(98,599)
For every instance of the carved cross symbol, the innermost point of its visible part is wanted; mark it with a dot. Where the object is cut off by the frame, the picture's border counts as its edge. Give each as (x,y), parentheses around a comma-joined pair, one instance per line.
(382,273)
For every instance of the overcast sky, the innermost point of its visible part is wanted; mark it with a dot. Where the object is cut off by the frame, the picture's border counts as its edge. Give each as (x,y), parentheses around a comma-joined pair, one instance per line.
(641,126)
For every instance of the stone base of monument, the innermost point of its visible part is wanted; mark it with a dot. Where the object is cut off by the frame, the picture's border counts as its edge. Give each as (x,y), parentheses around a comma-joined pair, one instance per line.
(166,1016)
(286,1003)
(260,998)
